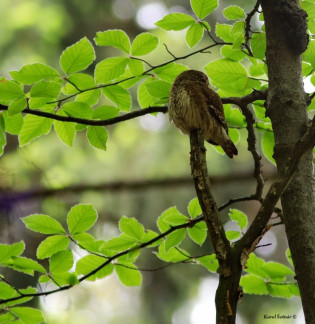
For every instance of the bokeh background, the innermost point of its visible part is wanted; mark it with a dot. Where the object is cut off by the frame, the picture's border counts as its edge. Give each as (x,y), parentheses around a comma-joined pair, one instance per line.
(144,171)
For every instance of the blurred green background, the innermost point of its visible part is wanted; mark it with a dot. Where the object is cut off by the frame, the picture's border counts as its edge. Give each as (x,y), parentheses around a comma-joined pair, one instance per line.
(144,150)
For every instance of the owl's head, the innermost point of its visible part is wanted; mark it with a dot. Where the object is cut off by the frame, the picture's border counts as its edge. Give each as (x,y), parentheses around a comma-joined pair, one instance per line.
(192,76)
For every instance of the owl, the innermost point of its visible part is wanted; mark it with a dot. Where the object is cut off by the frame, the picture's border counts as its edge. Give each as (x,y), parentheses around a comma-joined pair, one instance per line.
(193,105)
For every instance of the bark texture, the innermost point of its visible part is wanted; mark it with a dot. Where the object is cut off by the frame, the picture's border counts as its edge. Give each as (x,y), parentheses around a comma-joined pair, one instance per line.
(287,107)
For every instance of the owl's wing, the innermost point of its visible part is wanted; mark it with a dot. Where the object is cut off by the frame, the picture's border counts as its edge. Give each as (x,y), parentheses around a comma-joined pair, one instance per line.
(214,105)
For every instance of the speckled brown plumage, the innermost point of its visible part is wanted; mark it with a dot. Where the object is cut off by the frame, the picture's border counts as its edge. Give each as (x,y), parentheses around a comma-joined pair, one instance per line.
(193,105)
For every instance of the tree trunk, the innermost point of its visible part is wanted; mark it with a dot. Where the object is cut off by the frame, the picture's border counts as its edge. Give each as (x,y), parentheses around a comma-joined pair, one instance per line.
(287,108)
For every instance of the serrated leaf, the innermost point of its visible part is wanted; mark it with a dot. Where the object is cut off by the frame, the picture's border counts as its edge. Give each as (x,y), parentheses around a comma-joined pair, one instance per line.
(136,67)
(10,90)
(210,262)
(33,127)
(172,255)
(52,245)
(117,244)
(231,53)
(43,224)
(32,73)
(131,227)
(175,219)
(239,217)
(276,270)
(61,261)
(283,291)
(119,96)
(115,37)
(25,265)
(268,143)
(198,233)
(77,109)
(224,32)
(255,265)
(11,250)
(97,137)
(159,89)
(81,218)
(162,224)
(128,274)
(143,44)
(105,112)
(28,315)
(202,8)
(89,263)
(194,34)
(65,131)
(48,89)
(258,45)
(234,12)
(77,57)
(175,21)
(110,69)
(232,235)
(16,106)
(253,285)
(175,238)
(194,208)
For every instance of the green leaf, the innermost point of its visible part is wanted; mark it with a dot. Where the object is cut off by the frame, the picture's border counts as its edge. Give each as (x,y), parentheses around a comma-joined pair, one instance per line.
(136,67)
(231,53)
(159,89)
(61,261)
(13,125)
(224,32)
(255,265)
(289,257)
(202,8)
(110,69)
(119,96)
(309,54)
(198,233)
(32,73)
(77,57)
(254,285)
(43,224)
(258,45)
(276,270)
(194,208)
(6,291)
(16,106)
(170,212)
(114,37)
(283,291)
(144,98)
(89,263)
(28,290)
(210,262)
(52,245)
(97,137)
(129,277)
(10,90)
(268,143)
(150,235)
(131,227)
(170,71)
(11,250)
(33,127)
(3,140)
(65,278)
(234,12)
(175,219)
(48,89)
(175,238)
(121,243)
(65,130)
(239,217)
(194,34)
(77,109)
(81,218)
(143,44)
(232,235)
(25,265)
(28,315)
(105,112)
(172,255)
(175,21)
(228,75)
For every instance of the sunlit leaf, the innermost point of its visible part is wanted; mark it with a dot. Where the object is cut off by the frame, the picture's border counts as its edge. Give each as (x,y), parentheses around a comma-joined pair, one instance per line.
(234,12)
(202,8)
(194,34)
(11,250)
(143,44)
(239,217)
(10,90)
(97,137)
(81,218)
(110,69)
(128,274)
(131,227)
(175,21)
(43,224)
(61,261)
(118,95)
(52,245)
(268,143)
(253,285)
(89,263)
(116,38)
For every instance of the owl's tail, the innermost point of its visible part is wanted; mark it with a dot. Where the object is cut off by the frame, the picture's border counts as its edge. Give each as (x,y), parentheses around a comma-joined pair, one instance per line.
(229,148)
